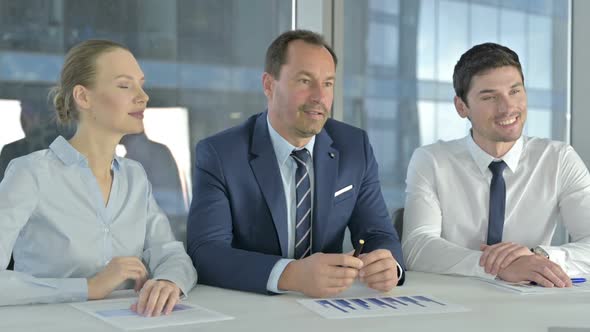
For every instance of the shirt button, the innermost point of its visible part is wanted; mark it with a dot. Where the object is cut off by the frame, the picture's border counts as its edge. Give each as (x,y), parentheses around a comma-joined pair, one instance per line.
(106,230)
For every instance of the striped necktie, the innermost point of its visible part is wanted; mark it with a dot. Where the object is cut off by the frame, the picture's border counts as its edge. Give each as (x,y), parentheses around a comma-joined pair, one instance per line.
(303,210)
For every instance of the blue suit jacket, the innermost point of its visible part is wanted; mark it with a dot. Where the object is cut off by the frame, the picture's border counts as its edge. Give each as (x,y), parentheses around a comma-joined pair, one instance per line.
(237,224)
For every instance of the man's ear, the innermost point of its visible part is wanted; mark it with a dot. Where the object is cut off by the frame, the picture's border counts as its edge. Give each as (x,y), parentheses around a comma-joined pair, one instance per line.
(268,85)
(461,107)
(81,97)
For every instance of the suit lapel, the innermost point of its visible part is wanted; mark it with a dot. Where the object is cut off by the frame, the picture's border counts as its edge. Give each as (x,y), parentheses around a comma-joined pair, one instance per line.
(266,170)
(325,160)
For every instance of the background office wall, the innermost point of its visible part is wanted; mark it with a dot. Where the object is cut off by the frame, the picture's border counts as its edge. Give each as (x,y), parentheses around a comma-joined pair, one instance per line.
(580,82)
(203,60)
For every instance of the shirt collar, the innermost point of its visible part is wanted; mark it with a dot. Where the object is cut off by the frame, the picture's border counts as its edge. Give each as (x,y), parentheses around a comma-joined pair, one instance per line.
(282,147)
(70,156)
(483,159)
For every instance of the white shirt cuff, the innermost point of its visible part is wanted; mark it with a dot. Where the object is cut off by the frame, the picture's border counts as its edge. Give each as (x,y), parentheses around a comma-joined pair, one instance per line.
(272,285)
(59,290)
(76,290)
(556,255)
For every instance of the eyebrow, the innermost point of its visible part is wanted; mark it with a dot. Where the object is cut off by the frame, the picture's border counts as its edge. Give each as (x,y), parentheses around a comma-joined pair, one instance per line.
(493,90)
(304,72)
(128,77)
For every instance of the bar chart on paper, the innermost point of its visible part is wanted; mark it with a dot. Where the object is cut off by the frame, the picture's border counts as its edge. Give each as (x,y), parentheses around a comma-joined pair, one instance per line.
(380,306)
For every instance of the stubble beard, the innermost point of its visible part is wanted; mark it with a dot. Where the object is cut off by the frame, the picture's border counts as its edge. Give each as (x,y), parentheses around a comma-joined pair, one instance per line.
(307,127)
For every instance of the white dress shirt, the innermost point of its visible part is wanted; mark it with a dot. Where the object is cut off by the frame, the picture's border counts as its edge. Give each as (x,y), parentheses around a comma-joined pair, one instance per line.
(288,166)
(446,211)
(54,221)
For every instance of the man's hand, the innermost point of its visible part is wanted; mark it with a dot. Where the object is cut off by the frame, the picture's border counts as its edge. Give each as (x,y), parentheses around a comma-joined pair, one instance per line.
(156,297)
(379,270)
(320,275)
(535,268)
(498,256)
(114,274)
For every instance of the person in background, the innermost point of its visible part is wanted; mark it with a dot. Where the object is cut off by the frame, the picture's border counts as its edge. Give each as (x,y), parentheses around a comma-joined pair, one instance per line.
(487,205)
(80,221)
(39,132)
(162,172)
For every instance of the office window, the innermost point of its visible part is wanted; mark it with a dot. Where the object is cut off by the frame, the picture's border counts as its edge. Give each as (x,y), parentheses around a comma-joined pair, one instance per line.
(399,58)
(203,62)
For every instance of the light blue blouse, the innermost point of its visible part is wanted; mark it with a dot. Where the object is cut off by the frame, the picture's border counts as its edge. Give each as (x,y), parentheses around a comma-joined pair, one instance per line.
(54,220)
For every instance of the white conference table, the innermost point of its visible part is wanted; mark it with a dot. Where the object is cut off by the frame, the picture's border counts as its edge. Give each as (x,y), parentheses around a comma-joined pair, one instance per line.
(492,309)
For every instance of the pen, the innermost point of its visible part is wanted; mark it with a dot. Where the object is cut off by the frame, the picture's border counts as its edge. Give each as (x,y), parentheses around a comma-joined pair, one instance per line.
(574,281)
(358,249)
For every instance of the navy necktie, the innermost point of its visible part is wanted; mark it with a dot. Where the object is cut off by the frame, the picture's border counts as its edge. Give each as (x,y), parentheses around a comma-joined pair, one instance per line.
(497,202)
(303,210)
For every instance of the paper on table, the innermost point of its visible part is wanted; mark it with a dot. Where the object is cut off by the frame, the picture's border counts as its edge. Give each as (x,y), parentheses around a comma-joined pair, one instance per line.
(117,313)
(527,288)
(379,306)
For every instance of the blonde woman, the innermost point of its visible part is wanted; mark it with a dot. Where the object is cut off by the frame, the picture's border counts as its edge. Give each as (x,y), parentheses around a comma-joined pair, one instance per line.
(80,221)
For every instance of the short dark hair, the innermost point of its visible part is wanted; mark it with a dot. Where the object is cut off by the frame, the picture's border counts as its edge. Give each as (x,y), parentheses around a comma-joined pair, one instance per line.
(276,54)
(479,59)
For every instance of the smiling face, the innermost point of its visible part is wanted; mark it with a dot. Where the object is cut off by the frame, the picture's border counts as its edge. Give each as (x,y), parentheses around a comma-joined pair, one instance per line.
(300,100)
(116,101)
(497,108)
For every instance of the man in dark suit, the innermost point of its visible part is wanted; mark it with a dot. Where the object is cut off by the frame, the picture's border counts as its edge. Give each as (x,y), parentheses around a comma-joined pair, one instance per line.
(273,196)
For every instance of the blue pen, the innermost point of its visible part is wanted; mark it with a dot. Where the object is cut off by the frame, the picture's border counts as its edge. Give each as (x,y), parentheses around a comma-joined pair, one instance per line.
(574,281)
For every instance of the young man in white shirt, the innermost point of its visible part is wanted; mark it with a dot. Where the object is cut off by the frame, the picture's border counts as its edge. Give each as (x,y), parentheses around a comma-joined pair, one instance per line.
(487,205)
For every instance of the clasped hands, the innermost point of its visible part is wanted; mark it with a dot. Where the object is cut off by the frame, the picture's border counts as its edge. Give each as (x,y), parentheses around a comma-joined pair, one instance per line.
(324,275)
(155,296)
(513,262)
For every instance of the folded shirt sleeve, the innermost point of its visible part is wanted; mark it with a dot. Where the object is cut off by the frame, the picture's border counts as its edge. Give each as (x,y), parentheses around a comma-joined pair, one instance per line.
(574,208)
(165,257)
(18,200)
